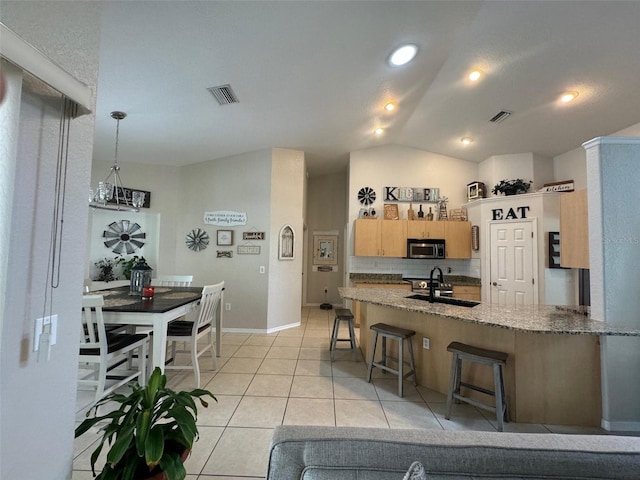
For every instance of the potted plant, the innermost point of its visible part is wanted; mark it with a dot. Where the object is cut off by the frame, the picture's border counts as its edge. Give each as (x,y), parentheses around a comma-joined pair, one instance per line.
(128,264)
(150,434)
(511,187)
(106,269)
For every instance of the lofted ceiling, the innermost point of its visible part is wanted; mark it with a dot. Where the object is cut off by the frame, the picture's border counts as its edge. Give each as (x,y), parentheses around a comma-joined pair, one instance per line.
(313,76)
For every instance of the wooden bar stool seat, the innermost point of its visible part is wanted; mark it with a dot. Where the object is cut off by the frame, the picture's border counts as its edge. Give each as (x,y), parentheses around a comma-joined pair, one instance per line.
(400,335)
(343,315)
(492,358)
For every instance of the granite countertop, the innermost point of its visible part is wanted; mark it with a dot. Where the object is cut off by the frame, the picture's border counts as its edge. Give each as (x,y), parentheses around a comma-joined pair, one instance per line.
(390,278)
(524,318)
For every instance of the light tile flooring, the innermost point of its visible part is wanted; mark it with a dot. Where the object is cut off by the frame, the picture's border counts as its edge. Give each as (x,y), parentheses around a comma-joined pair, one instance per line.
(288,378)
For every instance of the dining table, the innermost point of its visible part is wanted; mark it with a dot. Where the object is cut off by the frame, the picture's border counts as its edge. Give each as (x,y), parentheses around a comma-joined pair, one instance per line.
(166,305)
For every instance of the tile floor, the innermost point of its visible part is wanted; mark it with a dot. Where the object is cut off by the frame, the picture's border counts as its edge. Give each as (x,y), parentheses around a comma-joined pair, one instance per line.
(288,378)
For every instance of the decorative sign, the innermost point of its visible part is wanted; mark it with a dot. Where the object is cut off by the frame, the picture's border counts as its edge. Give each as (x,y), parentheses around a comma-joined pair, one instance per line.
(248,250)
(124,195)
(225,218)
(557,187)
(410,194)
(498,213)
(224,254)
(252,236)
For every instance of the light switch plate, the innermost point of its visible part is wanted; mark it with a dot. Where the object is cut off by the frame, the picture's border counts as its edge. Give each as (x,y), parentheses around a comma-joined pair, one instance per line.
(39,326)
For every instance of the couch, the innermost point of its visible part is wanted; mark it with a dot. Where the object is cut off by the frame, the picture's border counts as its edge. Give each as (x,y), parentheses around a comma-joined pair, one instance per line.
(346,453)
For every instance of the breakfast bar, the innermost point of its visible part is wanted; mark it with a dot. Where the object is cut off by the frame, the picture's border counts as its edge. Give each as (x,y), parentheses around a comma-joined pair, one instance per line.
(552,375)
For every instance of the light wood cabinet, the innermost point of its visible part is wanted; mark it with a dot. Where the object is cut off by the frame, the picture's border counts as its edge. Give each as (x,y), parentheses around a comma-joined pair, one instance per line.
(425,229)
(366,238)
(467,292)
(457,236)
(380,238)
(574,230)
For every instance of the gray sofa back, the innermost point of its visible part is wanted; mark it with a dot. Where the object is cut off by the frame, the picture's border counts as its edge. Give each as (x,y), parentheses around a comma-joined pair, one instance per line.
(344,453)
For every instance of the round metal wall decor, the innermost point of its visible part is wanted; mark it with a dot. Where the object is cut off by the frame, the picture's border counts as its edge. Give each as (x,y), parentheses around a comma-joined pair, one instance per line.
(366,196)
(124,237)
(197,239)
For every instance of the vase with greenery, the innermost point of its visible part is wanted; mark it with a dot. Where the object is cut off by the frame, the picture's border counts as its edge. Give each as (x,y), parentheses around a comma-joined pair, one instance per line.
(128,264)
(511,187)
(151,432)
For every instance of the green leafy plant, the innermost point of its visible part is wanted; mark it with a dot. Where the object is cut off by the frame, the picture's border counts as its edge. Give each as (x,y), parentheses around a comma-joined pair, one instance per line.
(511,187)
(150,431)
(107,269)
(128,264)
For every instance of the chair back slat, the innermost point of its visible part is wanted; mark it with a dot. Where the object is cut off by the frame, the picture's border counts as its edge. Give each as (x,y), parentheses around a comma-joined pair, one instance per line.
(209,303)
(92,328)
(173,281)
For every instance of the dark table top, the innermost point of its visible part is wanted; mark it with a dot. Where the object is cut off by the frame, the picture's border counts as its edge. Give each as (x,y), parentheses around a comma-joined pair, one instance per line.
(165,299)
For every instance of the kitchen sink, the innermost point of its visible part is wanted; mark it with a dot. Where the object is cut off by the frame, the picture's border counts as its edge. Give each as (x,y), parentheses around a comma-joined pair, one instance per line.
(447,300)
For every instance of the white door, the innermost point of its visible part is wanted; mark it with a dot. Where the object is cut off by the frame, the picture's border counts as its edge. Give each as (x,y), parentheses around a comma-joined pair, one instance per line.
(513,273)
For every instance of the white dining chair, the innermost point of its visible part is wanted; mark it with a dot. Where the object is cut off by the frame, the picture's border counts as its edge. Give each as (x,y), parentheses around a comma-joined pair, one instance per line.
(107,351)
(191,331)
(172,281)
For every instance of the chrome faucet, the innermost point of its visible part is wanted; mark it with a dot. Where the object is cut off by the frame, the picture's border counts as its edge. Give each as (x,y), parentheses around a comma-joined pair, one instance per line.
(431,286)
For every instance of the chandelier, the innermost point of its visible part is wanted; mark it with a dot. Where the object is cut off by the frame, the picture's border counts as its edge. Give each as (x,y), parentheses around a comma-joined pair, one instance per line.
(111,194)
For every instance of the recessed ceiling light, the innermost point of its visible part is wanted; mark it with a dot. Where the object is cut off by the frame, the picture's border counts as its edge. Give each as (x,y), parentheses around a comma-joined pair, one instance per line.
(389,107)
(475,75)
(466,140)
(378,131)
(403,55)
(566,97)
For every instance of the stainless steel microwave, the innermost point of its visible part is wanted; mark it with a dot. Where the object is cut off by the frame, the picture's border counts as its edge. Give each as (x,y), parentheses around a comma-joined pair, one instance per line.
(425,248)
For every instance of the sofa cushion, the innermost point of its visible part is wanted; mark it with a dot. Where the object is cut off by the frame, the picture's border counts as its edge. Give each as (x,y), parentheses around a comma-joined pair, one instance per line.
(344,453)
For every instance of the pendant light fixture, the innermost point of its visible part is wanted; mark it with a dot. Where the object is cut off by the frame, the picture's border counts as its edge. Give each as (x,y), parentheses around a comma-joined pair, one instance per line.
(111,194)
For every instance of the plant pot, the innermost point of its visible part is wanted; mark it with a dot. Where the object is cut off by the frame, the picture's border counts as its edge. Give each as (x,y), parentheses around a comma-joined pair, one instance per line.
(161,475)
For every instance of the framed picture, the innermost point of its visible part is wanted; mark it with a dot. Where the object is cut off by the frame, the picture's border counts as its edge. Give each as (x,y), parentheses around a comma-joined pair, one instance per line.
(475,190)
(325,249)
(391,211)
(286,240)
(224,237)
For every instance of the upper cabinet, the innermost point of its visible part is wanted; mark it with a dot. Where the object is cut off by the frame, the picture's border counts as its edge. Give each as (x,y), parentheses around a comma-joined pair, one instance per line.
(380,238)
(457,236)
(425,229)
(388,238)
(574,230)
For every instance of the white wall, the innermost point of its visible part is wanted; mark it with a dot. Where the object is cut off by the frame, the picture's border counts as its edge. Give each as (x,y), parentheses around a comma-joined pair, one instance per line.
(285,276)
(527,166)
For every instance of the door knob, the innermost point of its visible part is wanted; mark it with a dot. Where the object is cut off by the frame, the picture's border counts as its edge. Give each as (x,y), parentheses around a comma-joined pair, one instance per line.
(495,284)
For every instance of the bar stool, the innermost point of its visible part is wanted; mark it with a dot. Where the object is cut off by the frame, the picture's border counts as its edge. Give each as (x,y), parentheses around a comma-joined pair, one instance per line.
(343,315)
(494,359)
(394,333)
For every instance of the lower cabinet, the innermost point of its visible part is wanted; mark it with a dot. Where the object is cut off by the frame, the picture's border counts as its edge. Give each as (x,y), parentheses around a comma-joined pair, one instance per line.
(467,292)
(356,305)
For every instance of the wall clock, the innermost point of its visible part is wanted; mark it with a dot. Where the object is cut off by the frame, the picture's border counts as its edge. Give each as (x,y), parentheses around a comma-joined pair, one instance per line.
(366,196)
(197,239)
(123,237)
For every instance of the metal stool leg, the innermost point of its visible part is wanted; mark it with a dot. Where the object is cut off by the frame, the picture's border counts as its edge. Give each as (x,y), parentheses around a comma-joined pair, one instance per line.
(372,356)
(334,337)
(497,380)
(400,366)
(411,363)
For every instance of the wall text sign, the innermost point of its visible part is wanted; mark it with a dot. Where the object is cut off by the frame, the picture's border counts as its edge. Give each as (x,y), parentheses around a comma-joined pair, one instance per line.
(225,218)
(252,235)
(410,194)
(512,214)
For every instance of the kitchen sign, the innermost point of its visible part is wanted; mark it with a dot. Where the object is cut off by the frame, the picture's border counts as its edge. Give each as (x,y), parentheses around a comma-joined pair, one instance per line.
(225,218)
(512,214)
(410,194)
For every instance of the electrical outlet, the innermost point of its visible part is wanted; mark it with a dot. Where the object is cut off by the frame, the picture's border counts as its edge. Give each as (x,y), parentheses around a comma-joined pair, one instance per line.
(39,327)
(262,269)
(227,306)
(425,343)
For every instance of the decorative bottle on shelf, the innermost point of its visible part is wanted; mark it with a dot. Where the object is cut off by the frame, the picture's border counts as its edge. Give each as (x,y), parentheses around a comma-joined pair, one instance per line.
(430,215)
(420,212)
(410,213)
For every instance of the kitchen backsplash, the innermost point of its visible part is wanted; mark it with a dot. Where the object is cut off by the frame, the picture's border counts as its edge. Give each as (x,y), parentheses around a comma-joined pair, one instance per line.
(413,267)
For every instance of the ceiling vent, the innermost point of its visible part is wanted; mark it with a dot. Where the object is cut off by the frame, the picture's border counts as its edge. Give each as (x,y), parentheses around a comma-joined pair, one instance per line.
(223,94)
(501,116)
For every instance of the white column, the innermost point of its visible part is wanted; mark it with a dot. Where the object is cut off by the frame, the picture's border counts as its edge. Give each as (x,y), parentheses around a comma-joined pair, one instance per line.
(613,181)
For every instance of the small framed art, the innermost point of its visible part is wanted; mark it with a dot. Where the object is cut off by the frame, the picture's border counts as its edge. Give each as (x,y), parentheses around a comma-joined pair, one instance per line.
(224,237)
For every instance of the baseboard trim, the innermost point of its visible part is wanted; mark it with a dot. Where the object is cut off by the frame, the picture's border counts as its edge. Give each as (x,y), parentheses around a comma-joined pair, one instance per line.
(620,426)
(261,330)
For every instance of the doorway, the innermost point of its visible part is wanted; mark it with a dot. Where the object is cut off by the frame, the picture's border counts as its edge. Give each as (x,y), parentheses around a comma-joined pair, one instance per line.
(513,259)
